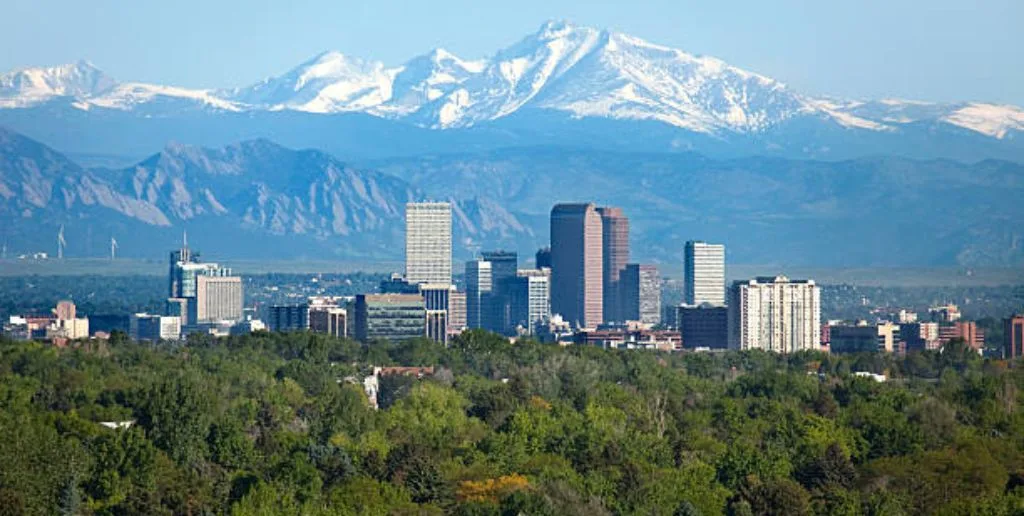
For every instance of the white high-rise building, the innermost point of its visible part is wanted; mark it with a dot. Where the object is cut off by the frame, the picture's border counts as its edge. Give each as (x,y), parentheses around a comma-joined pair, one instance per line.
(704,280)
(775,314)
(428,243)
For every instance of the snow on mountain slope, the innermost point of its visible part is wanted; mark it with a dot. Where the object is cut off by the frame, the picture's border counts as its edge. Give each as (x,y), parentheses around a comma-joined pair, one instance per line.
(30,86)
(129,95)
(988,119)
(330,82)
(581,71)
(427,78)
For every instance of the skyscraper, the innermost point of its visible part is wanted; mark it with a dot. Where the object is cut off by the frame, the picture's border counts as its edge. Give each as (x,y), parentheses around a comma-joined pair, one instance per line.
(775,314)
(478,292)
(577,264)
(428,242)
(504,265)
(640,290)
(704,280)
(615,254)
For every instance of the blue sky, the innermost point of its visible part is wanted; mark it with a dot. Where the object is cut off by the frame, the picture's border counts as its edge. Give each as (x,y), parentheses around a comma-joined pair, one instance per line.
(939,50)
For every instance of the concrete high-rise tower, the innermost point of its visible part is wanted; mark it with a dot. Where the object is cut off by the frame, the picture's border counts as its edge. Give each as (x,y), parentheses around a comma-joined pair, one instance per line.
(577,261)
(704,274)
(615,253)
(428,243)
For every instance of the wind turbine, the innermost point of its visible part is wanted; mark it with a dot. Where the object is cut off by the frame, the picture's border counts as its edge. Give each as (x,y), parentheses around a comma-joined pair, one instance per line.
(113,248)
(61,243)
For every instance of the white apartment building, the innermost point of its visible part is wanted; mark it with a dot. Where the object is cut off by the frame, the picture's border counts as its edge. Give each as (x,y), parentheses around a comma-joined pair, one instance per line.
(775,314)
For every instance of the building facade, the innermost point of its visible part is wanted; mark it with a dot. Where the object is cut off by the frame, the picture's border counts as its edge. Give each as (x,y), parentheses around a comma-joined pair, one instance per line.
(577,264)
(479,287)
(704,274)
(640,292)
(283,318)
(428,242)
(531,300)
(615,254)
(504,265)
(329,320)
(775,314)
(456,312)
(854,339)
(154,328)
(218,298)
(393,317)
(704,326)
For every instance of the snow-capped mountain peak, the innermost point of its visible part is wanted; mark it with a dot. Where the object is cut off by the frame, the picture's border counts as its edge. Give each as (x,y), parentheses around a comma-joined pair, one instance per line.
(30,86)
(580,71)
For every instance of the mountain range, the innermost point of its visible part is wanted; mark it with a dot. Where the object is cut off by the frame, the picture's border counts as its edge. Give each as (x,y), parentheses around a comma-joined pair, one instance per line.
(565,83)
(257,199)
(319,162)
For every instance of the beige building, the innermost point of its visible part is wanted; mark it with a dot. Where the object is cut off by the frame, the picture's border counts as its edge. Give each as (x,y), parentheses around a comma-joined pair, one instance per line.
(218,298)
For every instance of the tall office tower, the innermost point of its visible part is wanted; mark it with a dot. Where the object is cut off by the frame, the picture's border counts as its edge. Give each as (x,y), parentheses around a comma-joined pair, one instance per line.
(704,276)
(504,265)
(218,298)
(531,300)
(428,242)
(1013,337)
(775,314)
(577,264)
(479,286)
(615,252)
(543,258)
(184,275)
(183,255)
(393,317)
(640,289)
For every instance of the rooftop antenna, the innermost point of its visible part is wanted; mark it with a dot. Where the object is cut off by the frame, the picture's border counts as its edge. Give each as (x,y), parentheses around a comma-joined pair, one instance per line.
(113,248)
(61,243)
(184,239)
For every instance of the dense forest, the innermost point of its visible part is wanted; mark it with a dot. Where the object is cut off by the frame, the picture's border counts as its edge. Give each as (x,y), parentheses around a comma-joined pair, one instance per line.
(280,424)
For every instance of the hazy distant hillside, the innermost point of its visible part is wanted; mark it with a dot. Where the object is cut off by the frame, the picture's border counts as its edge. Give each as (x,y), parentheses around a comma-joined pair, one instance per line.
(257,199)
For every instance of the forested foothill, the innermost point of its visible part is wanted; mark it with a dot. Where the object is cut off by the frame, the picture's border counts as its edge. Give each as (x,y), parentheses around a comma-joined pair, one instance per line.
(281,424)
